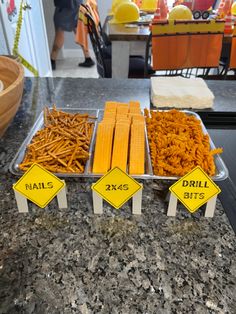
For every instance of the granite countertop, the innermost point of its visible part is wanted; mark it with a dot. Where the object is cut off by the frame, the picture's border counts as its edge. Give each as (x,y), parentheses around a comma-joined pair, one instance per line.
(71,261)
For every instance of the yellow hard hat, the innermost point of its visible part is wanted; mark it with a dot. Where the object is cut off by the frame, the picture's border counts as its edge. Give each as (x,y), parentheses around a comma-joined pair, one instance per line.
(180,12)
(115,4)
(126,12)
(149,5)
(233,9)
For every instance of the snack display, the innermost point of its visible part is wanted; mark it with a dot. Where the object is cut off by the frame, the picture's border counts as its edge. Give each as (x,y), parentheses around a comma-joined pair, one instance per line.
(63,144)
(76,142)
(178,144)
(120,139)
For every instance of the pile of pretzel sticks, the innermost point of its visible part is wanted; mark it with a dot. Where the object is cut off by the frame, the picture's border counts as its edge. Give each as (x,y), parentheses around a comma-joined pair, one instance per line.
(178,144)
(62,146)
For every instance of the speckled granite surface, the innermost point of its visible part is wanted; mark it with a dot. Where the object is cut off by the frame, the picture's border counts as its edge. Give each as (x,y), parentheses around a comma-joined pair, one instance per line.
(70,261)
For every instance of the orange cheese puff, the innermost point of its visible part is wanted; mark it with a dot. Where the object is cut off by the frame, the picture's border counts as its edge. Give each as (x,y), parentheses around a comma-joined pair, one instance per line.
(121,109)
(134,104)
(135,110)
(109,120)
(124,121)
(120,146)
(110,106)
(122,104)
(103,148)
(109,114)
(121,116)
(137,117)
(137,149)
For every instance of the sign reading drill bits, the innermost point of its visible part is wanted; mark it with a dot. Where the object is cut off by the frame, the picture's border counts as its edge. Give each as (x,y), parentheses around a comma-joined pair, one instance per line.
(195,189)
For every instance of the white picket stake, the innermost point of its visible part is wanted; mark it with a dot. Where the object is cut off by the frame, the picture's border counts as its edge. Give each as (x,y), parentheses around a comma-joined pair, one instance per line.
(210,207)
(21,202)
(97,203)
(62,198)
(209,212)
(137,203)
(172,205)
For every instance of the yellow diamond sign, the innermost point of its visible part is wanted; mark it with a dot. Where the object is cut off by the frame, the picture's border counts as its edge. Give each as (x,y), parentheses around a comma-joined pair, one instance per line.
(39,185)
(116,187)
(195,189)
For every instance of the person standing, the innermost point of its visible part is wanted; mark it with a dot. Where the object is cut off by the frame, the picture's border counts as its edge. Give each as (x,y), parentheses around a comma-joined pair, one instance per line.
(65,20)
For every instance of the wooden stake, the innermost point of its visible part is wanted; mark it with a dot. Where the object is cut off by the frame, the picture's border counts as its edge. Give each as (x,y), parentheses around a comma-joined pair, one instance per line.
(97,203)
(21,202)
(172,205)
(137,203)
(210,207)
(62,198)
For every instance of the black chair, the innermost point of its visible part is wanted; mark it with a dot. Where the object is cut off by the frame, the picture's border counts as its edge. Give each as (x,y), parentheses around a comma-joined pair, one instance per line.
(101,29)
(102,53)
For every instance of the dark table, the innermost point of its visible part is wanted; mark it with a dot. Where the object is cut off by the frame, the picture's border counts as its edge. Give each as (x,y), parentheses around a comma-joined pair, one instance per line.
(71,261)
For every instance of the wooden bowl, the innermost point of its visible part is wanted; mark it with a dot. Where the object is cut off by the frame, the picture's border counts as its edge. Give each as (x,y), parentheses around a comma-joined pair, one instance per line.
(12,77)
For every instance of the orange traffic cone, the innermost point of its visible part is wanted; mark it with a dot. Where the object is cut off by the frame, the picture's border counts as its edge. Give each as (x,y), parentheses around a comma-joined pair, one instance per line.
(234,29)
(220,9)
(163,9)
(166,4)
(228,30)
(138,2)
(157,15)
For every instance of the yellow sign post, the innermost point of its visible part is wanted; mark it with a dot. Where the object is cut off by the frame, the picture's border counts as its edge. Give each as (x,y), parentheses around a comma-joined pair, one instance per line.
(116,187)
(194,190)
(39,186)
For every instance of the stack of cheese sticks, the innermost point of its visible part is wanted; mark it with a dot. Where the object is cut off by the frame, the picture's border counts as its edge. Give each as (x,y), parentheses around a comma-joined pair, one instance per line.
(120,140)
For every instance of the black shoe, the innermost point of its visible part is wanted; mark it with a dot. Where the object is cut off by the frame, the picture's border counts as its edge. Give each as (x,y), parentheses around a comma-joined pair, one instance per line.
(87,63)
(53,64)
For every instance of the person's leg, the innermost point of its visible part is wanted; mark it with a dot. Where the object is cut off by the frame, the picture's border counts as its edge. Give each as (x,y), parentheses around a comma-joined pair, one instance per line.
(57,45)
(86,53)
(88,62)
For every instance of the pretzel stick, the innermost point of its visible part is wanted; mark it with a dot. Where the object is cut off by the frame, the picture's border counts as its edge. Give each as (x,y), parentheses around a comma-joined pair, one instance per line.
(73,155)
(63,145)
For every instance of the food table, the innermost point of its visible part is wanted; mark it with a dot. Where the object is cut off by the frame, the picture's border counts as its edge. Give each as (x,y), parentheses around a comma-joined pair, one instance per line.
(131,40)
(71,261)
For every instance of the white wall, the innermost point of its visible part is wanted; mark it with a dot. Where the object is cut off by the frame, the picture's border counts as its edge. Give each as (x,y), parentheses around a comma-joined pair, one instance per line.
(103,7)
(48,8)
(32,44)
(4,50)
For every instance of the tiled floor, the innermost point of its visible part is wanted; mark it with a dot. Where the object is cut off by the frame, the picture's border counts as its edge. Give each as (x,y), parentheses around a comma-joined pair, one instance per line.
(69,68)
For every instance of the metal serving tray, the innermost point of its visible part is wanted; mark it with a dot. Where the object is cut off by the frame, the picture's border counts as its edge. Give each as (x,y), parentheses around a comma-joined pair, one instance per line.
(221,170)
(39,124)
